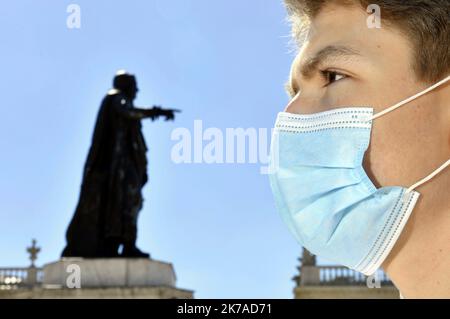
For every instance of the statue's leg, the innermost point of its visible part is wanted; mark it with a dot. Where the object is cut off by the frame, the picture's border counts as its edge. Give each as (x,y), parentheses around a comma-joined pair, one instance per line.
(130,218)
(110,247)
(130,227)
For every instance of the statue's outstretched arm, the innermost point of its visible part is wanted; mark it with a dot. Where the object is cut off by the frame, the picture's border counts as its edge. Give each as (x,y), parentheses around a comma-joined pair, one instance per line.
(133,113)
(157,111)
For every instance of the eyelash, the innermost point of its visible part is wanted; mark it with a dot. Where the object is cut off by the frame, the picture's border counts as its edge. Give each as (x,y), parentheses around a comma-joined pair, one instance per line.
(326,76)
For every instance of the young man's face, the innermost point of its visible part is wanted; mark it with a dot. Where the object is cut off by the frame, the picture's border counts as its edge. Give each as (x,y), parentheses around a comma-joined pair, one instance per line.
(345,63)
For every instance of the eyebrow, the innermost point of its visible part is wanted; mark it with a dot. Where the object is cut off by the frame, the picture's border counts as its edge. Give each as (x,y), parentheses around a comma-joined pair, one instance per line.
(329,53)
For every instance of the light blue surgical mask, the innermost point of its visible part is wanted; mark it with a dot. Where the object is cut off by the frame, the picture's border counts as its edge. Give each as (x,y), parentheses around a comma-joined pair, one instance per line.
(323,193)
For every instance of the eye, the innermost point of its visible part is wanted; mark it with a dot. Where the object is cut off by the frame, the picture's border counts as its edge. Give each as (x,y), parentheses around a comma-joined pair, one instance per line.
(332,76)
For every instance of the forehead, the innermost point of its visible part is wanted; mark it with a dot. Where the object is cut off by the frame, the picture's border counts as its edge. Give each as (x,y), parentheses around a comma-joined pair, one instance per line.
(347,26)
(340,25)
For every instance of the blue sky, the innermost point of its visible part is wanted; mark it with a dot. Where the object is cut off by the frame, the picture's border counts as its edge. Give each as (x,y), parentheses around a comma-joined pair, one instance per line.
(222,62)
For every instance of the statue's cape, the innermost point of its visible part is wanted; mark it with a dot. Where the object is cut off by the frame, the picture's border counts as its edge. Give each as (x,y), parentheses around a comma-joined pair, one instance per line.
(101,204)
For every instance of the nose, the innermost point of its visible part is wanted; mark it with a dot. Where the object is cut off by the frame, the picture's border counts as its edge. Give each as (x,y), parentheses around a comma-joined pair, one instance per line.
(293,106)
(304,104)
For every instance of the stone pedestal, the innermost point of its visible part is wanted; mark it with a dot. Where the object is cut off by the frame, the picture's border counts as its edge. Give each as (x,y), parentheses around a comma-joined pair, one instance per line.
(98,293)
(103,273)
(109,278)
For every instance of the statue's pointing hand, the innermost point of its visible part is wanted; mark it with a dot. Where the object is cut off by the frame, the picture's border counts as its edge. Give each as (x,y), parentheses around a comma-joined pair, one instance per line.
(157,111)
(170,114)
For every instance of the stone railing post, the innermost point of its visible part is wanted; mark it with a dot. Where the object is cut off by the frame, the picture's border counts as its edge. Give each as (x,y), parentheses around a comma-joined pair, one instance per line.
(310,276)
(31,276)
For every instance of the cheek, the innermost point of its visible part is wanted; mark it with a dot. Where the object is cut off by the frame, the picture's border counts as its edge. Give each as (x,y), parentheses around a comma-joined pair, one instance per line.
(342,93)
(400,148)
(379,162)
(385,158)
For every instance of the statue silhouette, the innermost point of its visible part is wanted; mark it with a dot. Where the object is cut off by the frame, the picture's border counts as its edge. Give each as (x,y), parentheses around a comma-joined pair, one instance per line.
(114,175)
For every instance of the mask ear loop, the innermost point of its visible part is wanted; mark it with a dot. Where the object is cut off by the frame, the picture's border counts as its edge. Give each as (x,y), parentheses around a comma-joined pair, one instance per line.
(416,96)
(396,106)
(426,179)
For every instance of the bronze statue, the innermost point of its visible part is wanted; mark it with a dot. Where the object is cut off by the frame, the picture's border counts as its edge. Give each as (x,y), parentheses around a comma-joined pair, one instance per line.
(114,175)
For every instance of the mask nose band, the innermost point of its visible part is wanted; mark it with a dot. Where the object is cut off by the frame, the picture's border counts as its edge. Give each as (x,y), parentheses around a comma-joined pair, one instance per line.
(412,98)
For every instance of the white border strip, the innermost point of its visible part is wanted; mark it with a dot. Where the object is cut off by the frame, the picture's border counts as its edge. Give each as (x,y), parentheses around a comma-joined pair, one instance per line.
(335,111)
(353,117)
(371,268)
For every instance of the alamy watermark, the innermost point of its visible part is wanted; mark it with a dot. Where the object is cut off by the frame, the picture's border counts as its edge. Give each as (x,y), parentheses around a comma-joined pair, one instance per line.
(73,20)
(374,20)
(373,281)
(221,146)
(73,280)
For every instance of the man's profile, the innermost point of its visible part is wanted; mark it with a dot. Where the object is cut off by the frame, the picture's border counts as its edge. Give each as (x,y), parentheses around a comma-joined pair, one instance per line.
(344,67)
